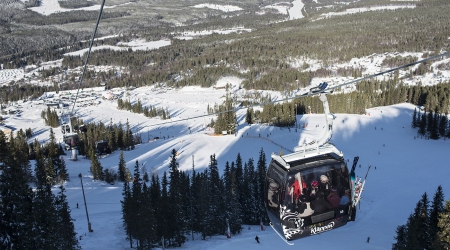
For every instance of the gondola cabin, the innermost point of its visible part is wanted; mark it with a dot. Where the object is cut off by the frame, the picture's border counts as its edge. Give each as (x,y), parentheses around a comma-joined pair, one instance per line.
(102,147)
(308,192)
(71,141)
(65,128)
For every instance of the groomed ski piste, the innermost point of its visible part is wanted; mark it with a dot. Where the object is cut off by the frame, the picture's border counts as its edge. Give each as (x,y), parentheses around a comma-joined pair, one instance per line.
(406,165)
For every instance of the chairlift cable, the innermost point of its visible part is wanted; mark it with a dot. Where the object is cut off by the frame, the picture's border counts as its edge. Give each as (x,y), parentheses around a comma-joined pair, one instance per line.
(327,90)
(87,57)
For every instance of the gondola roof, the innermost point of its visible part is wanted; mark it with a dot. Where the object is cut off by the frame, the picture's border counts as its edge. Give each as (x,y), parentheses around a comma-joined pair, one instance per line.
(308,155)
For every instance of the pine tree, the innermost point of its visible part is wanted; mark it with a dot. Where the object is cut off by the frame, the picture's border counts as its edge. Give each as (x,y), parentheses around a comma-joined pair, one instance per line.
(400,243)
(66,234)
(96,166)
(414,119)
(111,135)
(442,125)
(418,226)
(444,227)
(261,178)
(435,127)
(128,137)
(40,167)
(423,124)
(155,197)
(235,207)
(430,124)
(56,169)
(16,197)
(249,116)
(147,219)
(45,218)
(163,209)
(215,213)
(239,185)
(122,166)
(177,220)
(437,207)
(136,204)
(127,211)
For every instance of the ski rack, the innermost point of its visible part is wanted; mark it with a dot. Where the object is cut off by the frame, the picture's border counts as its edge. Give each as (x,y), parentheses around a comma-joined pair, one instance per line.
(357,199)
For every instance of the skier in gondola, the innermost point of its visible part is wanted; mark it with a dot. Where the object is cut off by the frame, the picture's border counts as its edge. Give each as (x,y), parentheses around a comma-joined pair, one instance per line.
(257,238)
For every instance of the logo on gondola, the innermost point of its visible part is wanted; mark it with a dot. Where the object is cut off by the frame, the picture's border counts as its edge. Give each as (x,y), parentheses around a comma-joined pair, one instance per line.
(320,229)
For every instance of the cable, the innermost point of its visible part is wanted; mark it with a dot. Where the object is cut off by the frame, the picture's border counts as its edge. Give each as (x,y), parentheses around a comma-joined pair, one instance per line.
(87,57)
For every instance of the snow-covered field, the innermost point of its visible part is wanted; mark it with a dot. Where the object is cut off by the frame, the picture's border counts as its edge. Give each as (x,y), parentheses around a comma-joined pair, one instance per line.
(407,166)
(134,45)
(224,8)
(365,9)
(8,75)
(49,7)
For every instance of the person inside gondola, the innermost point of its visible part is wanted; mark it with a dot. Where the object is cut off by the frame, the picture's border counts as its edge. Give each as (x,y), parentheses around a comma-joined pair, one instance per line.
(324,185)
(320,205)
(314,189)
(334,198)
(345,199)
(272,194)
(298,186)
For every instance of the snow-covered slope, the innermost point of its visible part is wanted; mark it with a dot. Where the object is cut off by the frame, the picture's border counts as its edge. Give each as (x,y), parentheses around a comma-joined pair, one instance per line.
(406,165)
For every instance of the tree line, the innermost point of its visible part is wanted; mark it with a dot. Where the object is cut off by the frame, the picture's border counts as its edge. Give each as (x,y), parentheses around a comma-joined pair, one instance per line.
(169,210)
(428,227)
(431,125)
(50,117)
(148,111)
(368,94)
(31,219)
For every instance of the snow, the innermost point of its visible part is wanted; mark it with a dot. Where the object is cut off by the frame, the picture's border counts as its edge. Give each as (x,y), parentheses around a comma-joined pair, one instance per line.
(407,165)
(372,64)
(365,9)
(49,7)
(285,8)
(8,75)
(189,35)
(224,8)
(295,12)
(135,45)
